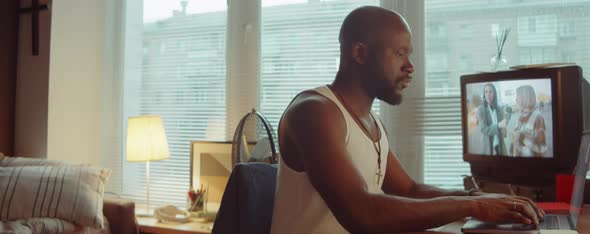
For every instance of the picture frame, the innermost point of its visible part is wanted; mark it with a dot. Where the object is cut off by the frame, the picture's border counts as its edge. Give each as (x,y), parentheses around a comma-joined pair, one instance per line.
(211,167)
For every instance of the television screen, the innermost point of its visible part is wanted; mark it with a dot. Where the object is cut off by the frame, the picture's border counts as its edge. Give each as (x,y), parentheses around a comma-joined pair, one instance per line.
(523,126)
(510,118)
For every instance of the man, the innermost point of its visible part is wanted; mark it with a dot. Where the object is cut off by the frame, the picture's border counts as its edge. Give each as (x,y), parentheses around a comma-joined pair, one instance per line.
(336,172)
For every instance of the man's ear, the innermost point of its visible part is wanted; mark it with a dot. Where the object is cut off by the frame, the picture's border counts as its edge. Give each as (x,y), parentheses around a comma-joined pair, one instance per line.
(360,52)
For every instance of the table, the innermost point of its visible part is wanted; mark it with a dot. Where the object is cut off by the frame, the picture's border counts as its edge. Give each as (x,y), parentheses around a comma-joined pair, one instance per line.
(152,226)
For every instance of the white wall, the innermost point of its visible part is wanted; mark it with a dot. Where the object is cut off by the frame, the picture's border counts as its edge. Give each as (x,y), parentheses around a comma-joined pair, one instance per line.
(30,133)
(75,80)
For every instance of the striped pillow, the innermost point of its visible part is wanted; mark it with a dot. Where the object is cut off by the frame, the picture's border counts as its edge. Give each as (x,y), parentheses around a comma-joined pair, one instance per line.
(23,161)
(74,194)
(38,225)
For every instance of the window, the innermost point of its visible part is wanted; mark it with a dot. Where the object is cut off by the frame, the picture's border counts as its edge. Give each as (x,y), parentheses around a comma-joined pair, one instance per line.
(535,55)
(532,24)
(533,39)
(465,31)
(175,66)
(567,29)
(495,30)
(299,49)
(180,75)
(437,31)
(568,56)
(466,63)
(537,30)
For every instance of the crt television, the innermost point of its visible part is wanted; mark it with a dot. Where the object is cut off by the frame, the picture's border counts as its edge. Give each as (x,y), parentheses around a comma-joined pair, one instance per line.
(524,126)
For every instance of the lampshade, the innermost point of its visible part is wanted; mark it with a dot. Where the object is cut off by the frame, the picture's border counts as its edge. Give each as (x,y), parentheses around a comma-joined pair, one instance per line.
(146,139)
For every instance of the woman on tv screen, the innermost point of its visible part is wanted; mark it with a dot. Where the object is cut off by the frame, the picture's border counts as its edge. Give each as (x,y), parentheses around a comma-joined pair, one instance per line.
(491,122)
(528,138)
(511,118)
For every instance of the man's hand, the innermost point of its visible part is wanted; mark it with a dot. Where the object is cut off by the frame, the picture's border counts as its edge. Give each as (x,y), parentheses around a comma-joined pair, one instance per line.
(507,209)
(539,211)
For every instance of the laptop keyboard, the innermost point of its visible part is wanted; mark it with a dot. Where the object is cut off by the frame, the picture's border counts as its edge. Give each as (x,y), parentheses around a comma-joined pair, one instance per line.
(550,222)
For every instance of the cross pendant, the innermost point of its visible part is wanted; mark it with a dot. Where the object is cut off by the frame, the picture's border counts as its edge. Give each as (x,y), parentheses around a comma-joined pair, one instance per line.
(34,10)
(378,175)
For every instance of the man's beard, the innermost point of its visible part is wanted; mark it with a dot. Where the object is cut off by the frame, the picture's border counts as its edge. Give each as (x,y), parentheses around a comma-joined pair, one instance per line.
(390,95)
(384,90)
(393,99)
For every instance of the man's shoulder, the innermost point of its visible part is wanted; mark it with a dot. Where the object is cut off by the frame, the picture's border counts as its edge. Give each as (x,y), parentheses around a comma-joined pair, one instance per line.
(310,99)
(310,104)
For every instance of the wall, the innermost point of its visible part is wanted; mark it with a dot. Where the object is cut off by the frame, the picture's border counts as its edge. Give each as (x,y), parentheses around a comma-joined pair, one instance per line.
(8,44)
(75,74)
(30,135)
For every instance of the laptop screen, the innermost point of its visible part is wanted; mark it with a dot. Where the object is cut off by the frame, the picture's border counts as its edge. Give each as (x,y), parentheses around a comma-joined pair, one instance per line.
(580,177)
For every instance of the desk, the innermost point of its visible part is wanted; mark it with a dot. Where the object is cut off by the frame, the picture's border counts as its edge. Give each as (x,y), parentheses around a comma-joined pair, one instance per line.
(152,226)
(455,227)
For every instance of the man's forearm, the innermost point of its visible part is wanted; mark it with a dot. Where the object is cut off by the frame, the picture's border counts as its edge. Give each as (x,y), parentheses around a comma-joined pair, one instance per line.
(399,214)
(427,191)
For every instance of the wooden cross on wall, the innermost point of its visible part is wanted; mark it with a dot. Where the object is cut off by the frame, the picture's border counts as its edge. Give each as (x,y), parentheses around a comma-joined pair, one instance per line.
(34,10)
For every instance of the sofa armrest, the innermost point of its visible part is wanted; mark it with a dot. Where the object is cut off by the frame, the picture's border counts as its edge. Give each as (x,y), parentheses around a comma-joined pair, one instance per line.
(120,214)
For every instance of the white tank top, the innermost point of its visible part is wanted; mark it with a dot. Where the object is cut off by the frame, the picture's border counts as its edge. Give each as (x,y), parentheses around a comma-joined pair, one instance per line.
(299,208)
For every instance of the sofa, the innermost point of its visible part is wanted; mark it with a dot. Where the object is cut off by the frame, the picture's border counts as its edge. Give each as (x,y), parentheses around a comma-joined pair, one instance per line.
(120,215)
(49,196)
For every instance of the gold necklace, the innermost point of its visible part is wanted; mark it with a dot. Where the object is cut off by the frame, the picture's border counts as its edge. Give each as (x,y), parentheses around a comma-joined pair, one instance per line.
(376,145)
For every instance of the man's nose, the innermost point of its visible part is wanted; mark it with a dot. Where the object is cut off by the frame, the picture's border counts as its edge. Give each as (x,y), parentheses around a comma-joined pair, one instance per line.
(409,67)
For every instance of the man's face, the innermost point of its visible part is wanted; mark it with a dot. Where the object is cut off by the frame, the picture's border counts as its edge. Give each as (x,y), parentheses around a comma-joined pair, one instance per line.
(390,66)
(490,95)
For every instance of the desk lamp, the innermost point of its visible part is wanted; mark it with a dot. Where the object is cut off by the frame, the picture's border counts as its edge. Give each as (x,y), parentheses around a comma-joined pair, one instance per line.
(146,142)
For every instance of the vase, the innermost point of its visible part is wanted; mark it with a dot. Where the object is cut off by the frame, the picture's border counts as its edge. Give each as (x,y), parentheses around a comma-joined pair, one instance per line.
(499,63)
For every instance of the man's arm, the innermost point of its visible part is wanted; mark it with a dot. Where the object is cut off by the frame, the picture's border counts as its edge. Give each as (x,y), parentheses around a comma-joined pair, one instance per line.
(398,182)
(317,128)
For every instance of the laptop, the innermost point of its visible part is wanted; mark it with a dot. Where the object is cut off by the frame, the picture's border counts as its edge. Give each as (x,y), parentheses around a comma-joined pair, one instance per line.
(565,222)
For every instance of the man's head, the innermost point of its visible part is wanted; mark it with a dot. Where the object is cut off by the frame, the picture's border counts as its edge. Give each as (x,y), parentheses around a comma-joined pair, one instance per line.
(375,43)
(490,95)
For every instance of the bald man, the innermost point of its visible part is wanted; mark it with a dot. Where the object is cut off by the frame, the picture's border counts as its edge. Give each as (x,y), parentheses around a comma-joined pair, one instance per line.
(336,172)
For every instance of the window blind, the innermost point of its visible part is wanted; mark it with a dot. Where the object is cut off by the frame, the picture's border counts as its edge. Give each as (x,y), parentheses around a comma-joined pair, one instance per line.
(299,49)
(181,77)
(175,67)
(460,39)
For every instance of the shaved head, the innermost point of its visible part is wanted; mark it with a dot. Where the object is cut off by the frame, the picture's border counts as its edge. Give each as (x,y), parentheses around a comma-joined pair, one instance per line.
(367,25)
(375,49)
